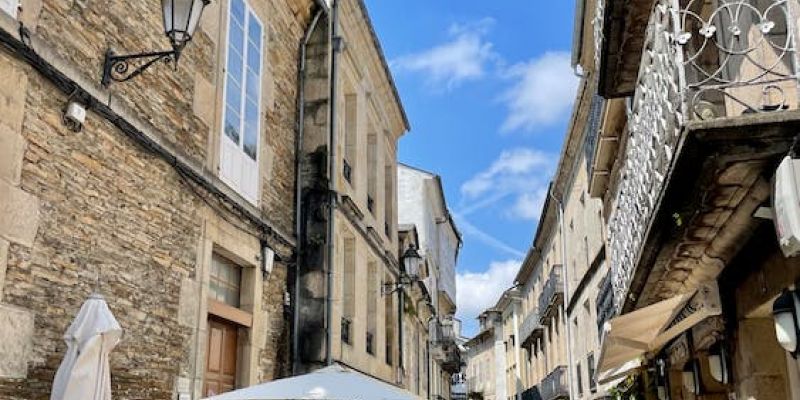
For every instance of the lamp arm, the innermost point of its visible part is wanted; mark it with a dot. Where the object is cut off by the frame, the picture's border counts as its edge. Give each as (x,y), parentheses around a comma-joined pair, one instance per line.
(116,67)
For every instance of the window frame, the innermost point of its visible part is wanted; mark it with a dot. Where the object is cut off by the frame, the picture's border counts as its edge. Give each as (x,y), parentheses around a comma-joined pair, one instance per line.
(238,184)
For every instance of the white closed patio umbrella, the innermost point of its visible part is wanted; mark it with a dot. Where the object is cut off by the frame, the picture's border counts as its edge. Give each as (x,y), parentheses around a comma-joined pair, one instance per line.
(331,383)
(84,373)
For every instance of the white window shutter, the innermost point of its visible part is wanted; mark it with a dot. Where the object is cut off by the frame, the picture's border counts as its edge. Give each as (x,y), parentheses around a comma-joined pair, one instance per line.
(10,7)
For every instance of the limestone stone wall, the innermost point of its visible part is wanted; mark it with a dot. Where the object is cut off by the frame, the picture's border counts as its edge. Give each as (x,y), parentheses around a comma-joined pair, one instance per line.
(94,211)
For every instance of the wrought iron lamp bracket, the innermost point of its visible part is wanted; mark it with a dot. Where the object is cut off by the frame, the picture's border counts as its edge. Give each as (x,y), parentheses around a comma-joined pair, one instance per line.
(117,68)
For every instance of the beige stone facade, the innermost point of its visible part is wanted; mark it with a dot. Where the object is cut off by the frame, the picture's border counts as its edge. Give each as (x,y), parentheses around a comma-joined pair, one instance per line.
(133,205)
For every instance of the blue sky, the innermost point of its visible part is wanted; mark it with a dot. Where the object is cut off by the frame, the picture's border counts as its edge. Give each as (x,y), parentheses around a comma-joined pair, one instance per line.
(488,89)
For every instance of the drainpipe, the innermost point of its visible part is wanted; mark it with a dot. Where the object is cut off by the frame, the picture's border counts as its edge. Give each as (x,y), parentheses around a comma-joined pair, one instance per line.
(565,271)
(335,43)
(400,308)
(301,99)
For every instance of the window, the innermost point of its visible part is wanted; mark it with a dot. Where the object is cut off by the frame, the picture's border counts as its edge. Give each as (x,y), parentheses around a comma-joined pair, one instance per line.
(590,368)
(242,113)
(350,136)
(372,305)
(372,171)
(579,379)
(389,200)
(225,281)
(349,287)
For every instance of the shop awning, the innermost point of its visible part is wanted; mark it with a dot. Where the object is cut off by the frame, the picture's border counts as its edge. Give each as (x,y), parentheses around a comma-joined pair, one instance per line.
(630,338)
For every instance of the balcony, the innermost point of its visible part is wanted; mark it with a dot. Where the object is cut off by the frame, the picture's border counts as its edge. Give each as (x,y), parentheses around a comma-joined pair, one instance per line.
(554,386)
(531,393)
(531,329)
(552,294)
(716,96)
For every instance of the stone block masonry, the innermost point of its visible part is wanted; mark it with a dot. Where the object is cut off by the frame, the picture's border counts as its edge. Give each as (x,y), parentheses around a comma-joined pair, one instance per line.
(95,211)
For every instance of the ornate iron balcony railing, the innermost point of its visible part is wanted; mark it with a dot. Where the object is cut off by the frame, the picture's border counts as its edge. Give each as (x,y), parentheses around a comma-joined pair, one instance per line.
(701,61)
(531,328)
(552,294)
(554,386)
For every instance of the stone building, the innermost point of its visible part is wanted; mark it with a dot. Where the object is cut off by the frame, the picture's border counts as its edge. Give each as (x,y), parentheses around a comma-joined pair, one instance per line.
(701,107)
(194,196)
(349,247)
(542,328)
(169,201)
(486,363)
(422,204)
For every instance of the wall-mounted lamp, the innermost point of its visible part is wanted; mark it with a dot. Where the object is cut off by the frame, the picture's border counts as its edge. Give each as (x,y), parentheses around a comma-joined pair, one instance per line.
(180,21)
(787,329)
(691,377)
(267,260)
(409,274)
(719,363)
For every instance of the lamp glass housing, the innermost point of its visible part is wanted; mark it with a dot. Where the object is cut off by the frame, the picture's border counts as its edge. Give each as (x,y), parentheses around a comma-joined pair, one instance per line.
(181,18)
(784,312)
(719,364)
(411,263)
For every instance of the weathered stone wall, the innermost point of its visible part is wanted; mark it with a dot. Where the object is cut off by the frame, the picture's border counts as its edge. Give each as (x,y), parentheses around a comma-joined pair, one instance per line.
(93,210)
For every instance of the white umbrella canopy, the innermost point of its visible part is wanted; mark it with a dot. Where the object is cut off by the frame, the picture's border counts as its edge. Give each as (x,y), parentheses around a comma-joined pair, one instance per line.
(332,383)
(85,373)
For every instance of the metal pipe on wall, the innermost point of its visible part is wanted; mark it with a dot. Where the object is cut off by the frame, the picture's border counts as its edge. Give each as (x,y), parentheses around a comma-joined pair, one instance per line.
(335,48)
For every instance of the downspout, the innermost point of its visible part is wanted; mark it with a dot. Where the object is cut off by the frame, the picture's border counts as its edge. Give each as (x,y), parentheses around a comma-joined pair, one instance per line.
(565,270)
(400,308)
(301,100)
(335,47)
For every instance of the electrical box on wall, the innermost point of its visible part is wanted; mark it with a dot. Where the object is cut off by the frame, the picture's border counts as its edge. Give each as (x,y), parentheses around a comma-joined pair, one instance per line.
(786,206)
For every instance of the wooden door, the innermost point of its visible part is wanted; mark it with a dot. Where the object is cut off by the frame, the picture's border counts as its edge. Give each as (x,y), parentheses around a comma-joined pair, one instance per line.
(220,375)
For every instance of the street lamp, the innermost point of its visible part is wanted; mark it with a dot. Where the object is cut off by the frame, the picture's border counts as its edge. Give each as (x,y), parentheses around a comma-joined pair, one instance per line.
(784,311)
(180,21)
(410,262)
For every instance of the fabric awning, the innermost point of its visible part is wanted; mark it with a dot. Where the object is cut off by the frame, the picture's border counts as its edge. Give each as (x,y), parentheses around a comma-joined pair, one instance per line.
(630,338)
(331,383)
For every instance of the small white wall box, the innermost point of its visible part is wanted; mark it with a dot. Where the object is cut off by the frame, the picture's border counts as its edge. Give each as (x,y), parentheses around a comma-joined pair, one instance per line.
(75,114)
(267,260)
(786,206)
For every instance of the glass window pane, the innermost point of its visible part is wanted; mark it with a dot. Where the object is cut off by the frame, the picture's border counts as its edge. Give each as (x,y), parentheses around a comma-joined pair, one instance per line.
(254,30)
(252,86)
(251,129)
(237,10)
(236,37)
(253,58)
(235,68)
(233,95)
(232,125)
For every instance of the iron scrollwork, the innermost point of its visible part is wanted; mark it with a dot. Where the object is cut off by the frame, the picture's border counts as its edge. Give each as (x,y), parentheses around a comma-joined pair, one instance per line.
(121,68)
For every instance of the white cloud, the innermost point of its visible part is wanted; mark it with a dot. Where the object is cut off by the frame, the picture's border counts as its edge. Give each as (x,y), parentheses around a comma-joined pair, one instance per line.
(462,58)
(522,173)
(479,290)
(469,229)
(543,94)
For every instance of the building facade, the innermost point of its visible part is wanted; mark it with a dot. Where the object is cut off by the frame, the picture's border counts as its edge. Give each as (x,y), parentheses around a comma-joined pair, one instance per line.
(700,110)
(170,200)
(422,204)
(486,359)
(350,264)
(202,201)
